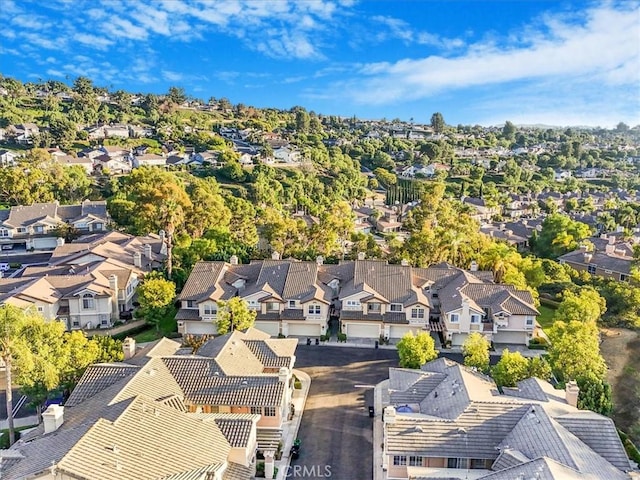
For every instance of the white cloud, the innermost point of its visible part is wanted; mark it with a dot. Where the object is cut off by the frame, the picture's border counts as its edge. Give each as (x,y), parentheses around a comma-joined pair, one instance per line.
(93,41)
(603,47)
(172,76)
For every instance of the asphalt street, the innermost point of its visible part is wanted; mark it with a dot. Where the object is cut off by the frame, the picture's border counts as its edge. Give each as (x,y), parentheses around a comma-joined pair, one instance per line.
(336,431)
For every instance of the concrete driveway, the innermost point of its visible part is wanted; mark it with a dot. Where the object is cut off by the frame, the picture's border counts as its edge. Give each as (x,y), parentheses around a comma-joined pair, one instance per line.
(336,431)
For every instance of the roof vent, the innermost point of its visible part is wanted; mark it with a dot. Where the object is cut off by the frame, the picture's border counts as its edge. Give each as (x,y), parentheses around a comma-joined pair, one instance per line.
(244,383)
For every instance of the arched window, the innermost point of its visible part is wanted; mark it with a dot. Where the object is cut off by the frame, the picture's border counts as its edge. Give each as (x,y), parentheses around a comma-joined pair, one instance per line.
(88,302)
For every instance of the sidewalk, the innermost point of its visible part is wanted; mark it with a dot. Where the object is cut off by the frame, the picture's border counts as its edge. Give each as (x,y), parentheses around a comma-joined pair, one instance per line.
(290,428)
(353,343)
(380,400)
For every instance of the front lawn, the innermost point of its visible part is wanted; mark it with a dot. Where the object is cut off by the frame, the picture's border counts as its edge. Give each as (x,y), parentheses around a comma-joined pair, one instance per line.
(546,316)
(168,325)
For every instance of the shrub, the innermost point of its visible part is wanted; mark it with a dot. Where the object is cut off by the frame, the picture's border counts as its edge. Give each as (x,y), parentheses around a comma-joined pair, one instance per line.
(342,337)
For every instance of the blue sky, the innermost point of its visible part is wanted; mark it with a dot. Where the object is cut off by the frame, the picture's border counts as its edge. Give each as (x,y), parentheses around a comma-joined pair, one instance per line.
(528,61)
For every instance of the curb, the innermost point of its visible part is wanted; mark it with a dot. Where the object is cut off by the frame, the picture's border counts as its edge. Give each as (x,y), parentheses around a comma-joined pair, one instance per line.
(299,401)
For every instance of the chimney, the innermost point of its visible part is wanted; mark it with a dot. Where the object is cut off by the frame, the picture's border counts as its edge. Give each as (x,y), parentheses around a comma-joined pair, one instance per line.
(113,286)
(319,260)
(361,255)
(404,262)
(610,247)
(571,393)
(587,256)
(53,418)
(59,241)
(147,251)
(283,375)
(275,256)
(474,266)
(233,260)
(389,414)
(129,348)
(137,259)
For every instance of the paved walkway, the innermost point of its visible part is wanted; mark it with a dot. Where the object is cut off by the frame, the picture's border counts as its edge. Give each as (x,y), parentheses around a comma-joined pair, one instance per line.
(290,428)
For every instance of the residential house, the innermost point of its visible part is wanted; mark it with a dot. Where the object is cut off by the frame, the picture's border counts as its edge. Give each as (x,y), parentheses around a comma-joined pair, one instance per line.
(287,296)
(116,131)
(33,226)
(88,283)
(24,133)
(286,154)
(389,221)
(561,175)
(8,158)
(609,258)
(149,160)
(481,210)
(68,161)
(447,421)
(501,232)
(137,131)
(196,411)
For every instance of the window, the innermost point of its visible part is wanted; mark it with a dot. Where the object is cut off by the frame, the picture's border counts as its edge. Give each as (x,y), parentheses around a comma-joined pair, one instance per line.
(4,232)
(478,463)
(592,269)
(415,461)
(22,230)
(373,307)
(210,309)
(256,410)
(38,229)
(475,318)
(98,226)
(88,302)
(607,271)
(454,318)
(417,312)
(457,463)
(292,304)
(190,304)
(396,307)
(529,322)
(624,278)
(40,309)
(75,323)
(353,303)
(269,411)
(314,309)
(399,460)
(273,307)
(104,319)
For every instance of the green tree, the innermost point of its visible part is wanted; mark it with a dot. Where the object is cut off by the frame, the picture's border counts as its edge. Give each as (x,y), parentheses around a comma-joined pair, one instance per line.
(539,368)
(586,306)
(476,351)
(234,314)
(511,368)
(11,322)
(575,350)
(509,131)
(109,349)
(559,235)
(155,295)
(595,395)
(416,350)
(79,352)
(437,122)
(161,203)
(62,131)
(176,95)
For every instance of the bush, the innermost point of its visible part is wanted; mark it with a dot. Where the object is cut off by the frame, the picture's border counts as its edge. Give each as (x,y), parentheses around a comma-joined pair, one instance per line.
(342,337)
(297,384)
(281,336)
(632,451)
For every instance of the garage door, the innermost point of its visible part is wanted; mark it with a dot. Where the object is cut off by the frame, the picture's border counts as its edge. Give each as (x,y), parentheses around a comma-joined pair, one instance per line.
(304,330)
(458,339)
(272,328)
(399,331)
(363,330)
(516,338)
(199,328)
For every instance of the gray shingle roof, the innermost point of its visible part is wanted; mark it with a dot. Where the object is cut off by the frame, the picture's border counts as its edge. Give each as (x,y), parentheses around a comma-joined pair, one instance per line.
(202,281)
(98,377)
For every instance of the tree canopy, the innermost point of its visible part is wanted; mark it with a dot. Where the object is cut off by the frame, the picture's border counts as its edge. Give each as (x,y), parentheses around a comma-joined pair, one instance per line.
(416,350)
(476,351)
(234,314)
